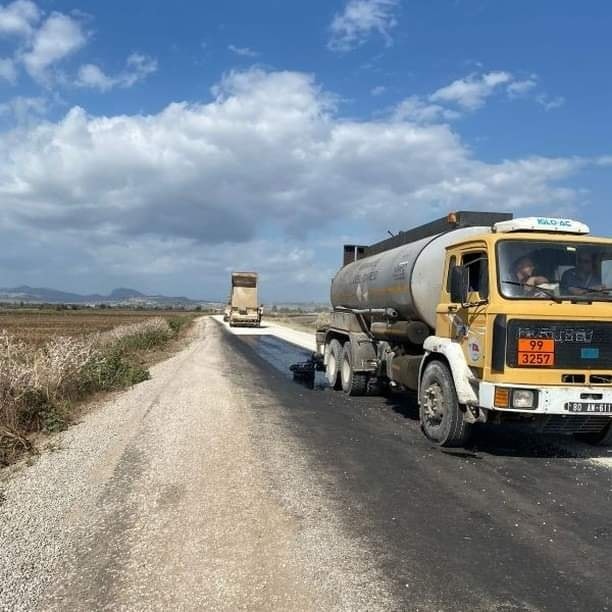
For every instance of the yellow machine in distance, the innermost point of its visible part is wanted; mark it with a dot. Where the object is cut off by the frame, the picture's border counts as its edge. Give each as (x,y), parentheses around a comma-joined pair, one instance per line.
(243,308)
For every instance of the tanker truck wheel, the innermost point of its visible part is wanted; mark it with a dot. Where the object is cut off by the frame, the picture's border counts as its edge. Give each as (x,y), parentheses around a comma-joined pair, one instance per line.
(441,416)
(353,383)
(334,358)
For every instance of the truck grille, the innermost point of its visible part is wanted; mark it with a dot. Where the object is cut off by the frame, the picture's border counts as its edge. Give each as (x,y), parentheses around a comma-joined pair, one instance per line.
(580,345)
(559,424)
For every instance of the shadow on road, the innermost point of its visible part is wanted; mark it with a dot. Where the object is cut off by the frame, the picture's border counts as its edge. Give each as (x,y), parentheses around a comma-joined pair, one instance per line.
(504,440)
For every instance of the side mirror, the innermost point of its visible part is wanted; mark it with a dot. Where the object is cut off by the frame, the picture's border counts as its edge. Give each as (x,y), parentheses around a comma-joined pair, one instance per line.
(459,285)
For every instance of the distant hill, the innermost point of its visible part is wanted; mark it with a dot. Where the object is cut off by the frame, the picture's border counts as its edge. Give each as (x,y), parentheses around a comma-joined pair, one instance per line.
(121,295)
(125,294)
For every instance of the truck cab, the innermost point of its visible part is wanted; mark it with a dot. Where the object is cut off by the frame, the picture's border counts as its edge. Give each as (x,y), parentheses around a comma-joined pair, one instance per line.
(524,321)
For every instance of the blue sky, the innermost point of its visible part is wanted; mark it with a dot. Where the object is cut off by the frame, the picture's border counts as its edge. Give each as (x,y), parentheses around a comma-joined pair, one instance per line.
(160,145)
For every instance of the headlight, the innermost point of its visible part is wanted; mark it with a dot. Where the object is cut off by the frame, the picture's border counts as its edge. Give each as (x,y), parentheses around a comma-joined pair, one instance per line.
(523,398)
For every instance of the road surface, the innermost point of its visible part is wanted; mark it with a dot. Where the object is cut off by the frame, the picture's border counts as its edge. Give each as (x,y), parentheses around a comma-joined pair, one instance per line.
(222,484)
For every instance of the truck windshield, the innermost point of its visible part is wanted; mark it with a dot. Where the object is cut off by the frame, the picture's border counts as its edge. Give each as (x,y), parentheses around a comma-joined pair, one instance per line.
(555,270)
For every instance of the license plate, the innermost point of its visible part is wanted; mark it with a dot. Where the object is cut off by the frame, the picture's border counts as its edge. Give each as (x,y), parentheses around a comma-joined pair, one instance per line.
(592,407)
(536,353)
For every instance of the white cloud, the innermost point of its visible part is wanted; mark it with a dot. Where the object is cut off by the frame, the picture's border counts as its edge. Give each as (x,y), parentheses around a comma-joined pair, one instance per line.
(379,90)
(8,71)
(269,155)
(517,89)
(18,18)
(92,76)
(418,110)
(48,41)
(58,37)
(471,91)
(359,20)
(243,51)
(550,103)
(23,109)
(138,67)
(467,94)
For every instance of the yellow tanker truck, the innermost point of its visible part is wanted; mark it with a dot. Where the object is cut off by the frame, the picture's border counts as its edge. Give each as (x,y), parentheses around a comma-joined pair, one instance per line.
(489,318)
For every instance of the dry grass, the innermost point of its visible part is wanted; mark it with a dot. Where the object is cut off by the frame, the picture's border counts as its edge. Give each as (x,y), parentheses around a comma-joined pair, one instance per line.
(36,326)
(43,376)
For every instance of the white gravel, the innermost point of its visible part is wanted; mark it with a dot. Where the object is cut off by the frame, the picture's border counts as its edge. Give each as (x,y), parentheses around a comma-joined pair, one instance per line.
(184,492)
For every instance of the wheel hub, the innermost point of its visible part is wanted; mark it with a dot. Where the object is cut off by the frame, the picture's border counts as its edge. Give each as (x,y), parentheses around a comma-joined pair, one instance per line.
(433,405)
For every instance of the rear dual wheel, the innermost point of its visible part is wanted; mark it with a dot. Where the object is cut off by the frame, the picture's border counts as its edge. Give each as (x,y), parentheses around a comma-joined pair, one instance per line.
(339,370)
(353,383)
(333,361)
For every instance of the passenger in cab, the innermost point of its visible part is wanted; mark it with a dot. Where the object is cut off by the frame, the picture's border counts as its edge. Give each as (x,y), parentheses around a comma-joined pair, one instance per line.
(584,277)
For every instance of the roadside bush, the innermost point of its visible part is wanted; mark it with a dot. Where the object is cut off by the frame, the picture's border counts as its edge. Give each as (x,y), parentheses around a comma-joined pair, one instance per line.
(140,336)
(178,323)
(111,370)
(39,385)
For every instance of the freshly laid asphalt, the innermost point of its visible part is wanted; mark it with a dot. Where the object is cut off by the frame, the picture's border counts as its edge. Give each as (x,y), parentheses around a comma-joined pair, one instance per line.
(513,522)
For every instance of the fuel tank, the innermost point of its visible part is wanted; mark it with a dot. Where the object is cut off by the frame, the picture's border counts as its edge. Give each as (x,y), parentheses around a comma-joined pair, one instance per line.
(407,278)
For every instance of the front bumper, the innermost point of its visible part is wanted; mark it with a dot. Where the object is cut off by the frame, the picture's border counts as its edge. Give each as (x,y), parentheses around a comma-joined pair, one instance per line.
(551,400)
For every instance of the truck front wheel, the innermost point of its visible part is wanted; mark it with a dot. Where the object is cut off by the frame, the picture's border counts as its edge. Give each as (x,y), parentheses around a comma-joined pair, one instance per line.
(441,416)
(332,368)
(353,383)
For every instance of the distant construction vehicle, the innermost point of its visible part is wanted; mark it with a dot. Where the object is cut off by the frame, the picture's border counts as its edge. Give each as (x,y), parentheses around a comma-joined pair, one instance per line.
(243,308)
(488,318)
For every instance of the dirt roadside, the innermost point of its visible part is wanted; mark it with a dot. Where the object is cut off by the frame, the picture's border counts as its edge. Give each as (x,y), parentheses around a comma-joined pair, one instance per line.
(164,499)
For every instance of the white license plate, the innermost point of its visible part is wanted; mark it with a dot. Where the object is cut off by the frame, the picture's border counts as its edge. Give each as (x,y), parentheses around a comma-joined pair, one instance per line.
(591,407)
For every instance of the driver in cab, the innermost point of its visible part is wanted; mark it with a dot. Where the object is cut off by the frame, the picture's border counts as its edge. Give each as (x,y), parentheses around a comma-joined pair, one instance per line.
(525,277)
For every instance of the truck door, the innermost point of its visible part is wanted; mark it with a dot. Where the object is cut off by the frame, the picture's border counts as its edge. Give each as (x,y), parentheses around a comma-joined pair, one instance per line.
(466,324)
(475,315)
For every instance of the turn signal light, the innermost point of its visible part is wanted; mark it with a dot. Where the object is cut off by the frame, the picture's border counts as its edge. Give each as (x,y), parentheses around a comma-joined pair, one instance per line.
(502,397)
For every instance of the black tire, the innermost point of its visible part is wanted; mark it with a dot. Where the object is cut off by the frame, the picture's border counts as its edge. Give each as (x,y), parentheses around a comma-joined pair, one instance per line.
(332,367)
(600,438)
(441,416)
(353,383)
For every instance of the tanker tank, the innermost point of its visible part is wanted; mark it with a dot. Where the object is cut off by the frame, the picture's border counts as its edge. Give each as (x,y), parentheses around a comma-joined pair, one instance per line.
(407,278)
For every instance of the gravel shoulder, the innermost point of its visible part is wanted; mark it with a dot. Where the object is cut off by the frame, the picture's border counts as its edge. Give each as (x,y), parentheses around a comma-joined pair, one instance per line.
(185,492)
